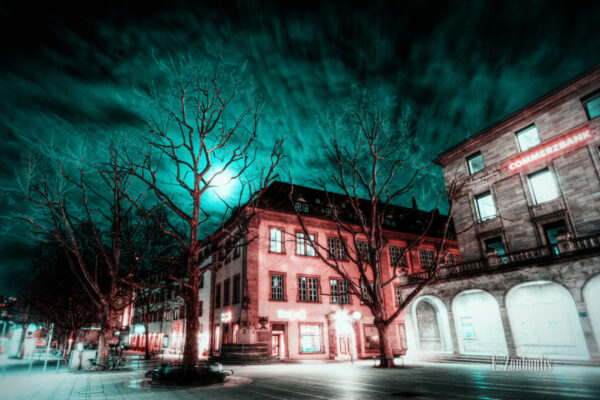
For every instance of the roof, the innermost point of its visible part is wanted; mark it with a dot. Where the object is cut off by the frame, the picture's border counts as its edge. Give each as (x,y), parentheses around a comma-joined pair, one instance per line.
(537,102)
(398,219)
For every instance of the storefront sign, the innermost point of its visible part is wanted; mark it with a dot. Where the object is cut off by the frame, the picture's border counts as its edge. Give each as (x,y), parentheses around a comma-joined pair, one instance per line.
(226,316)
(545,150)
(291,315)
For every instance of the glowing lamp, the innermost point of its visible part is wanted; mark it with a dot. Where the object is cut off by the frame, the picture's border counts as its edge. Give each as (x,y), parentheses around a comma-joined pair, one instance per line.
(356,315)
(226,316)
(79,346)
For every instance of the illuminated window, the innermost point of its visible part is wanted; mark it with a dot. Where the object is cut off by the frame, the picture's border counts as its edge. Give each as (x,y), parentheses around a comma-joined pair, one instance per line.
(310,338)
(277,287)
(218,296)
(592,105)
(426,259)
(528,138)
(475,163)
(308,289)
(398,295)
(304,207)
(337,249)
(485,206)
(371,338)
(339,291)
(497,244)
(236,290)
(543,186)
(303,246)
(276,244)
(397,256)
(226,287)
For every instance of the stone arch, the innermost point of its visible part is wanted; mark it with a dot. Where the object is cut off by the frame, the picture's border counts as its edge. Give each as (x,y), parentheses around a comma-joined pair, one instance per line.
(478,323)
(431,327)
(591,297)
(545,322)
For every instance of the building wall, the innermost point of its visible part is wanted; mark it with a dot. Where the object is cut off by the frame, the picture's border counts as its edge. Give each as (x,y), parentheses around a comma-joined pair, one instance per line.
(342,335)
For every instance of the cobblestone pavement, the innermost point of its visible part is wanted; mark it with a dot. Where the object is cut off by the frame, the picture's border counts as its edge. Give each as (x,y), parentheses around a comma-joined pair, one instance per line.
(315,381)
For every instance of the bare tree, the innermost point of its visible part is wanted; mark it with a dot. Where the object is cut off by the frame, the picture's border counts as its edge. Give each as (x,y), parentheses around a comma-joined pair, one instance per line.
(202,139)
(374,166)
(86,209)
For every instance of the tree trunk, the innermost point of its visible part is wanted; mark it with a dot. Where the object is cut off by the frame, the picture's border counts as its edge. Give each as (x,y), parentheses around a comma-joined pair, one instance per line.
(147,343)
(22,342)
(385,347)
(190,348)
(106,333)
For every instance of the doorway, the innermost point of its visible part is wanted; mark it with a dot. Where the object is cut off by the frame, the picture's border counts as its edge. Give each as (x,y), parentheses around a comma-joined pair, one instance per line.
(552,230)
(278,340)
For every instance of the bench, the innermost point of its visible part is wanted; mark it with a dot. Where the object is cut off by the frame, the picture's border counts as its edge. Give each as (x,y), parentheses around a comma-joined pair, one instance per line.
(396,356)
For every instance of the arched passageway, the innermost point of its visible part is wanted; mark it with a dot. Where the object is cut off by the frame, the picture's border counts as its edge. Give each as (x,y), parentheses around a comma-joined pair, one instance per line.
(478,324)
(431,325)
(545,322)
(591,296)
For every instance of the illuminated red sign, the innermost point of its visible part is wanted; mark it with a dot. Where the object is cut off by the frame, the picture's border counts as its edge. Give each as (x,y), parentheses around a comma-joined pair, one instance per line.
(546,150)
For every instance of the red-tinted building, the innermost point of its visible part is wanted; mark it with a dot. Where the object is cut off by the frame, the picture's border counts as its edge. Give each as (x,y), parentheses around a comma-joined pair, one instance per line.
(276,295)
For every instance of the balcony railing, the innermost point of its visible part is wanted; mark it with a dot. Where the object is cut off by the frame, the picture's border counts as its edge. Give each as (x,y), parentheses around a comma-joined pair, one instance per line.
(567,247)
(488,225)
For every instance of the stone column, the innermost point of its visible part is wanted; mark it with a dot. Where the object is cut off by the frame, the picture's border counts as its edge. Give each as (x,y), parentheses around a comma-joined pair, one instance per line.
(588,330)
(453,336)
(508,335)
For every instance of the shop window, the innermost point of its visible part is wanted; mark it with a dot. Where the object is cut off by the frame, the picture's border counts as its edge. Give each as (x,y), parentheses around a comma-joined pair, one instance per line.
(495,243)
(397,256)
(276,245)
(236,290)
(543,186)
(528,138)
(308,289)
(310,338)
(485,206)
(371,338)
(475,163)
(226,292)
(592,105)
(339,291)
(426,257)
(277,292)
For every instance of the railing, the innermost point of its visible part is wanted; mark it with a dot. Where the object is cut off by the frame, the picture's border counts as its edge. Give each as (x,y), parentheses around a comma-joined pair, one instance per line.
(564,248)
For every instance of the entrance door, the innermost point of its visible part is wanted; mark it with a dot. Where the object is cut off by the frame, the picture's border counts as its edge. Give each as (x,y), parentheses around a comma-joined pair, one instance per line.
(552,231)
(275,344)
(344,345)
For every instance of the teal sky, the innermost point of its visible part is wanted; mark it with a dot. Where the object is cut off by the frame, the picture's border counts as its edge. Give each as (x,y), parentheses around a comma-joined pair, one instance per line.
(67,72)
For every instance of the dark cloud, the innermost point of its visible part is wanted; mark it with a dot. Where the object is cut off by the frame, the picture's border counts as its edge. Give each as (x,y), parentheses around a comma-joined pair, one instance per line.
(81,69)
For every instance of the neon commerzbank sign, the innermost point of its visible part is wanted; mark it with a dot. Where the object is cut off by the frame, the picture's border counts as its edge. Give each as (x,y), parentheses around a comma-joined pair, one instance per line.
(546,150)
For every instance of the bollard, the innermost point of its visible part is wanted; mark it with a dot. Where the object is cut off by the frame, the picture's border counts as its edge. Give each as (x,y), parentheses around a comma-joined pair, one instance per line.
(57,365)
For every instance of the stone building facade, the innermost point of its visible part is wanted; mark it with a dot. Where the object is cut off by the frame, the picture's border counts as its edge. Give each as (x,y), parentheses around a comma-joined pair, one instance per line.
(528,228)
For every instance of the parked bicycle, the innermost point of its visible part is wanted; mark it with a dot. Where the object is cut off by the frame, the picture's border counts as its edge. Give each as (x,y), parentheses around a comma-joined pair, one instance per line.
(113,363)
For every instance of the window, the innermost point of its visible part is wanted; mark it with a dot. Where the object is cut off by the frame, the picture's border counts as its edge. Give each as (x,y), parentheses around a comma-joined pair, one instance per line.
(363,250)
(552,231)
(475,163)
(304,207)
(303,246)
(592,105)
(308,289)
(310,338)
(528,138)
(339,291)
(236,290)
(371,338)
(337,249)
(200,307)
(201,283)
(277,292)
(226,287)
(426,259)
(364,291)
(397,256)
(301,206)
(218,296)
(276,244)
(452,259)
(398,295)
(543,186)
(466,324)
(238,249)
(495,243)
(485,206)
